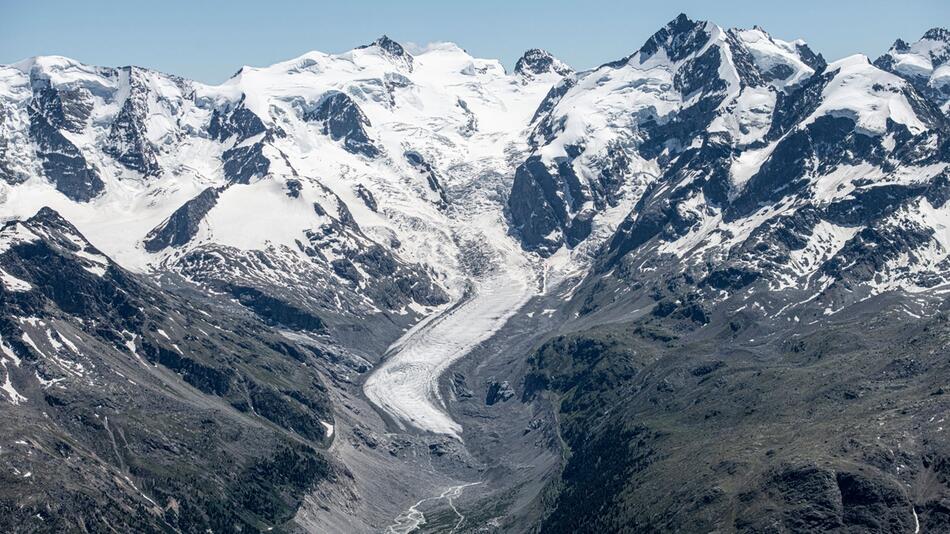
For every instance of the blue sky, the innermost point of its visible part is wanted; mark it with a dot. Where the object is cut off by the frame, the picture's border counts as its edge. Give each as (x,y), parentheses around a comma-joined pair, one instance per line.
(210,40)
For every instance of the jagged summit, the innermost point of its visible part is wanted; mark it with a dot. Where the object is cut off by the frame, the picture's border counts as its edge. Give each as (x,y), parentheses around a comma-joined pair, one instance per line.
(392,49)
(388,45)
(932,45)
(925,63)
(47,215)
(679,38)
(535,62)
(937,34)
(690,82)
(900,45)
(756,56)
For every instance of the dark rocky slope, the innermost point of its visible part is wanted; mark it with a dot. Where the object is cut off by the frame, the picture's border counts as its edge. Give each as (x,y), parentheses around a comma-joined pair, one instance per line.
(803,429)
(127,408)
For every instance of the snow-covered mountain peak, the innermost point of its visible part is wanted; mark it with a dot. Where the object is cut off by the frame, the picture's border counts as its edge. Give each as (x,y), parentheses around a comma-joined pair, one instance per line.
(921,57)
(389,46)
(924,63)
(755,56)
(870,96)
(681,37)
(778,63)
(59,70)
(607,132)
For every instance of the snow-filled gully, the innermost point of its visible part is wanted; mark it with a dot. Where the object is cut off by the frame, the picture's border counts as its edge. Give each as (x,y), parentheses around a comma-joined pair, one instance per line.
(406,384)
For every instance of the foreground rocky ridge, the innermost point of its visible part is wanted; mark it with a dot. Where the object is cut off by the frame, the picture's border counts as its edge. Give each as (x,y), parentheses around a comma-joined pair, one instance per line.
(130,408)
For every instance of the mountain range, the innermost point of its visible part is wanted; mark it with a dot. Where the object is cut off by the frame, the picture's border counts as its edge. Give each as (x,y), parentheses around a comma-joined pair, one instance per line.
(697,288)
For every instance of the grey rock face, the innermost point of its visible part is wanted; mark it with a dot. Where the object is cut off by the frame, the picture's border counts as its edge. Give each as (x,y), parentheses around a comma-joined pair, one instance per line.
(432,178)
(471,125)
(178,229)
(367,197)
(8,173)
(293,188)
(498,392)
(62,161)
(243,163)
(342,119)
(540,213)
(397,282)
(127,141)
(239,123)
(63,109)
(536,61)
(459,387)
(276,311)
(680,38)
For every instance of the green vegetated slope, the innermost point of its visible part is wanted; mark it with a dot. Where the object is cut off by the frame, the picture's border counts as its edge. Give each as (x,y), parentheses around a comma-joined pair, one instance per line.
(834,426)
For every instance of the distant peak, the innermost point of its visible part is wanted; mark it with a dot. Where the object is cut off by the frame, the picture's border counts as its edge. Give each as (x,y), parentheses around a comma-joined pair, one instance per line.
(680,37)
(45,64)
(900,45)
(537,61)
(683,24)
(47,215)
(937,34)
(391,48)
(680,20)
(388,45)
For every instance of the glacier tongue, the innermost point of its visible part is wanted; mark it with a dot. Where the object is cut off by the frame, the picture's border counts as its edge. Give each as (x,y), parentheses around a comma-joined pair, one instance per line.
(406,384)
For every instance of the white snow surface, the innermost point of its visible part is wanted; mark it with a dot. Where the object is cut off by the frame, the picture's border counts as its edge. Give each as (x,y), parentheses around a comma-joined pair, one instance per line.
(825,241)
(13,396)
(868,95)
(13,283)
